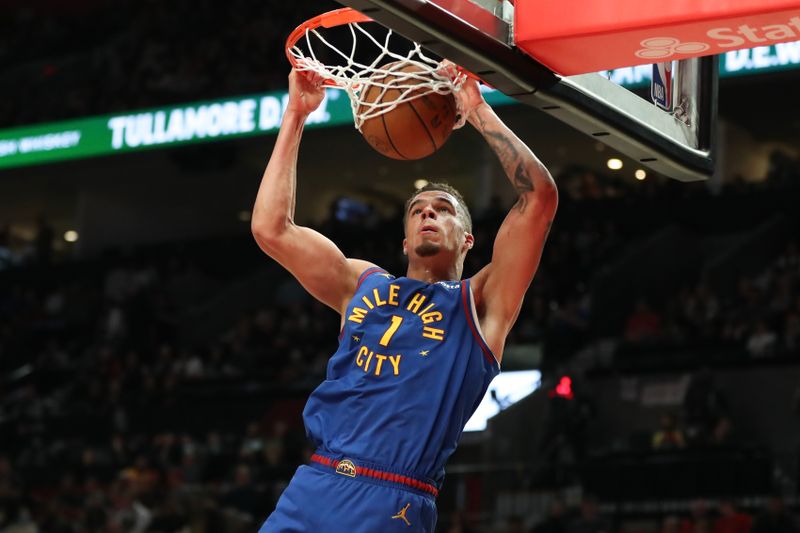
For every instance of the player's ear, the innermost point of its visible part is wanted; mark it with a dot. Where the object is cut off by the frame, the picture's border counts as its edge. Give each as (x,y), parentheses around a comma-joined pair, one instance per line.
(469,241)
(405,246)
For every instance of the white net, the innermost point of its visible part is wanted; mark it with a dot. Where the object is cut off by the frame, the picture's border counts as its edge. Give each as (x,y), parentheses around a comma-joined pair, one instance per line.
(404,76)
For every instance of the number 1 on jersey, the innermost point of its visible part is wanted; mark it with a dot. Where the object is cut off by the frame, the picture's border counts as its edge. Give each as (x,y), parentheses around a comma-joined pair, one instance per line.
(387,336)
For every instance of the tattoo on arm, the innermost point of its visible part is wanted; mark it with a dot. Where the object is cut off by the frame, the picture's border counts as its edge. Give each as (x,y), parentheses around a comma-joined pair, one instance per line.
(523,184)
(513,164)
(504,148)
(523,169)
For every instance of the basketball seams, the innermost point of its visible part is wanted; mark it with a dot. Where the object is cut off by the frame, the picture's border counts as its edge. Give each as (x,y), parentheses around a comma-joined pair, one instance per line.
(424,125)
(389,137)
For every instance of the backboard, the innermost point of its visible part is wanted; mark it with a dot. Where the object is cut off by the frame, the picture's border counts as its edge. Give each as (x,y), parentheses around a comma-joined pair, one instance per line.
(479,36)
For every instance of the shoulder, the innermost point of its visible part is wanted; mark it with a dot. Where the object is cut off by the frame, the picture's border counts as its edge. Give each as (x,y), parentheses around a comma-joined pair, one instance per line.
(360,268)
(367,274)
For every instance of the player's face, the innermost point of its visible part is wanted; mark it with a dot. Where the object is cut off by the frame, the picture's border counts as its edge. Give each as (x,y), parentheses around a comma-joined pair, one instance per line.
(433,225)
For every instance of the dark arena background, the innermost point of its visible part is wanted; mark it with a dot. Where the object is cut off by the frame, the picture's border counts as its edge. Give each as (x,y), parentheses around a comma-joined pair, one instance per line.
(154,362)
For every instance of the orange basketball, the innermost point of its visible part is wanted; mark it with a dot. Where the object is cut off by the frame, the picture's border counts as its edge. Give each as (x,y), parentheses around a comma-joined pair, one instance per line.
(414,129)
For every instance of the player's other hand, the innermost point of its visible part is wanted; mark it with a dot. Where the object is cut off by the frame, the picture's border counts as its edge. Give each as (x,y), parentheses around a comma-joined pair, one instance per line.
(305,91)
(469,96)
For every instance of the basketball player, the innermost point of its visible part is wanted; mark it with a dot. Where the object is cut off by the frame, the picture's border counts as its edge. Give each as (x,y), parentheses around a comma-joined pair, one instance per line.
(416,353)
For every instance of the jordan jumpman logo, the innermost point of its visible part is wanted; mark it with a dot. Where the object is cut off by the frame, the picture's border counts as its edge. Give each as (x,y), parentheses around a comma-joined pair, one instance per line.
(402,514)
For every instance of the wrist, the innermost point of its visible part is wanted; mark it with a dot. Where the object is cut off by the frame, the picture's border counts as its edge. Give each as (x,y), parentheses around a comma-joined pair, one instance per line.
(294,119)
(292,113)
(473,115)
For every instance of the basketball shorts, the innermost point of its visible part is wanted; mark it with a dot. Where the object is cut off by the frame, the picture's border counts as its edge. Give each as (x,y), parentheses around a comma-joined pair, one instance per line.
(325,497)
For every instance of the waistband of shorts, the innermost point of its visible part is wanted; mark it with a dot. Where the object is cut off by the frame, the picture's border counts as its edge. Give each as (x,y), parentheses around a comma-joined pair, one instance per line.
(355,468)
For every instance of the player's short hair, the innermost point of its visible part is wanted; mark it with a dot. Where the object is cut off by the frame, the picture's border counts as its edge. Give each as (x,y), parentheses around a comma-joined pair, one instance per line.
(462,211)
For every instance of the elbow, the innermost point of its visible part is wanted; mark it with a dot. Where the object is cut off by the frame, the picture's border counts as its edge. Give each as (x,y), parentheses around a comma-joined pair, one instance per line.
(547,196)
(268,233)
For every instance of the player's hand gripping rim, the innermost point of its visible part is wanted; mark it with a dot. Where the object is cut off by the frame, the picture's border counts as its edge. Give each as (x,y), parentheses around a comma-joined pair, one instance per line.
(466,91)
(306,91)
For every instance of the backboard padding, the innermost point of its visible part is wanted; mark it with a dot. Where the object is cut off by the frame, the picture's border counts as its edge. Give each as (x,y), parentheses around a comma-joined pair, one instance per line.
(472,37)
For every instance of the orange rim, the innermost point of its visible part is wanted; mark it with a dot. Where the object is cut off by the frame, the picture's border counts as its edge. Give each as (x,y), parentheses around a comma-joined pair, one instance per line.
(331,19)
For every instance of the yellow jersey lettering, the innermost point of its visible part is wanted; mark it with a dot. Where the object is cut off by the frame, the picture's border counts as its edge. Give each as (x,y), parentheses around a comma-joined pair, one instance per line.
(377,296)
(387,336)
(369,358)
(380,358)
(434,316)
(426,309)
(395,360)
(361,352)
(433,333)
(366,301)
(358,315)
(415,302)
(393,290)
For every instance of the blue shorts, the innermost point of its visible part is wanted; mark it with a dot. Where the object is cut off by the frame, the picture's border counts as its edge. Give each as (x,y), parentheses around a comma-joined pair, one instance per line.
(320,500)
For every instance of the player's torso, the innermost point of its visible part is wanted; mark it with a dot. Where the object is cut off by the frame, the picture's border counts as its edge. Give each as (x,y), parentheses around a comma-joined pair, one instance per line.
(409,371)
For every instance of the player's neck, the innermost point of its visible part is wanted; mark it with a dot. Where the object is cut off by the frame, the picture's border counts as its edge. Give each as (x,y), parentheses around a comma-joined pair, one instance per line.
(431,271)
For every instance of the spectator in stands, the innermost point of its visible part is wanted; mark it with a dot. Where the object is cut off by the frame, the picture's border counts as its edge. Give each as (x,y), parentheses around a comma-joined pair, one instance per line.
(704,405)
(762,340)
(723,433)
(775,518)
(253,442)
(243,496)
(669,436)
(731,520)
(643,325)
(700,306)
(127,513)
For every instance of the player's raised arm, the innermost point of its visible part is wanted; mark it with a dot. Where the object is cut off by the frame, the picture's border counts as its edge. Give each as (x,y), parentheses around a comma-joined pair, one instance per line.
(500,287)
(312,258)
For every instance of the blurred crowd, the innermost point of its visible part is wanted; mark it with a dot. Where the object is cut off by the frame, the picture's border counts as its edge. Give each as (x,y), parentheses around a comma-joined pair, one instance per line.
(140,54)
(702,516)
(762,314)
(115,419)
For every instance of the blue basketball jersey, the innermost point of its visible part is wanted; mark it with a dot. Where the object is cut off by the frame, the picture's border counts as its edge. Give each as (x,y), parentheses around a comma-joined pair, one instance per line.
(410,370)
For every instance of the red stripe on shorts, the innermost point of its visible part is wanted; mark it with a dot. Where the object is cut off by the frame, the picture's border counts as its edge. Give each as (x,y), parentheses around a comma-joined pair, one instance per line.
(379,474)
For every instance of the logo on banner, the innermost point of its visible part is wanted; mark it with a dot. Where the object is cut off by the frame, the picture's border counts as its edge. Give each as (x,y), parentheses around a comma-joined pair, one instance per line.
(722,38)
(663,47)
